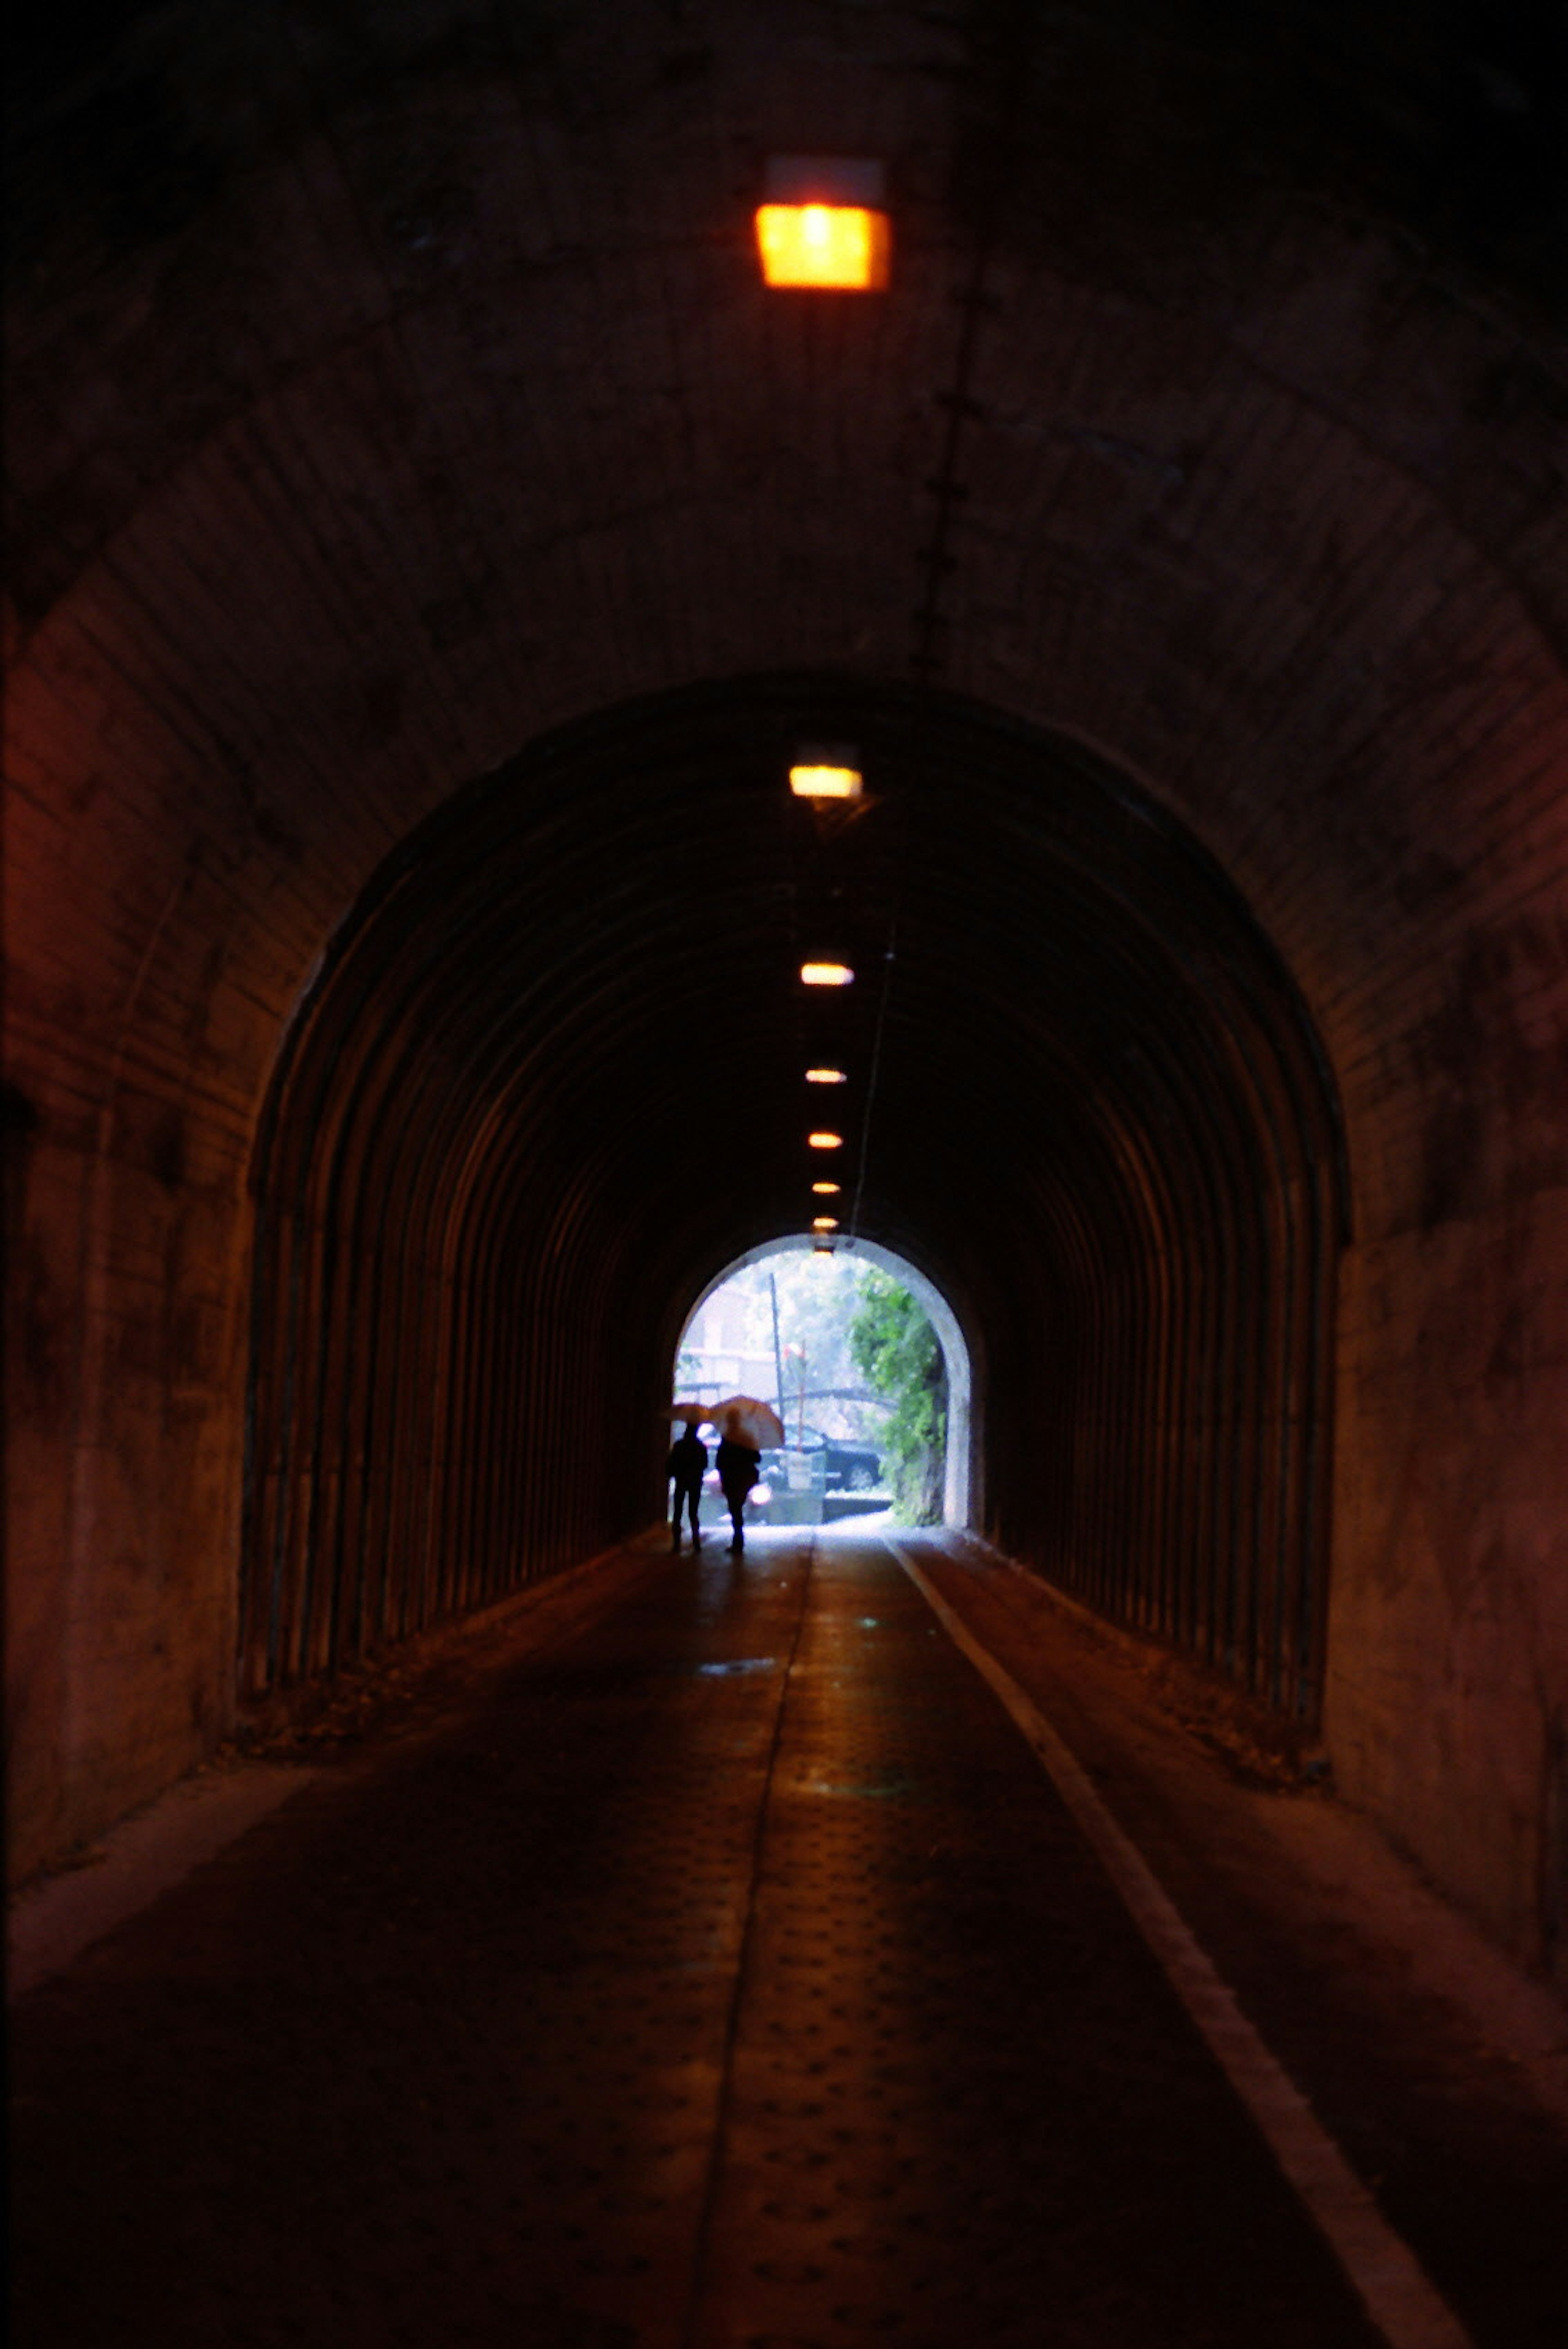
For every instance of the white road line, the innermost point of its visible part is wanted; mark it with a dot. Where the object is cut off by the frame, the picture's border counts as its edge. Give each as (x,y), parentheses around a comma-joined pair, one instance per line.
(1400,2297)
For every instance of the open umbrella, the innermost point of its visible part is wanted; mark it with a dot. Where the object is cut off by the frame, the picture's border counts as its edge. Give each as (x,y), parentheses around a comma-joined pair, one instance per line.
(693,1413)
(744,1419)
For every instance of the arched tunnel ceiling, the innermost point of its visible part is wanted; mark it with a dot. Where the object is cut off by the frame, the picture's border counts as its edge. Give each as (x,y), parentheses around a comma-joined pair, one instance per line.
(581,984)
(391,385)
(226,202)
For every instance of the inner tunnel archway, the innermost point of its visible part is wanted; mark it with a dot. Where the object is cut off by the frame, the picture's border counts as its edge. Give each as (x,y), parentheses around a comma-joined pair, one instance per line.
(551,1072)
(962,1363)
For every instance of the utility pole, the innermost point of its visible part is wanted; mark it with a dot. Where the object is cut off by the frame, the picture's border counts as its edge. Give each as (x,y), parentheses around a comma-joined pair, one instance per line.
(778,1358)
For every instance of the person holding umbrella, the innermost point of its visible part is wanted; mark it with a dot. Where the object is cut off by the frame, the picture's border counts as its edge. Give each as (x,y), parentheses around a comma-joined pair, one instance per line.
(739,1467)
(744,1424)
(688,1466)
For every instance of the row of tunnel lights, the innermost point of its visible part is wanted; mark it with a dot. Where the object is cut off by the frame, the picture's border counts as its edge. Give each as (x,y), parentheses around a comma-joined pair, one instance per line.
(819,776)
(823,226)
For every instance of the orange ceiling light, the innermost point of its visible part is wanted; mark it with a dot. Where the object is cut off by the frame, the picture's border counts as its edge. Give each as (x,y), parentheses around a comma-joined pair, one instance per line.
(825,1077)
(826,974)
(825,1222)
(824,1140)
(827,1190)
(840,248)
(824,779)
(822,224)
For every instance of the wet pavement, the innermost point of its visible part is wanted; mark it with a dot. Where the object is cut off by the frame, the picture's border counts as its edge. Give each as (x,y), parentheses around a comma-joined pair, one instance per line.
(727,1976)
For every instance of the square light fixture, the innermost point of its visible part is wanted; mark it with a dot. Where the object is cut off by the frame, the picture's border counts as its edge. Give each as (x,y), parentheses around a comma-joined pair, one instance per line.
(827,1190)
(822,224)
(826,974)
(824,1140)
(825,1077)
(824,773)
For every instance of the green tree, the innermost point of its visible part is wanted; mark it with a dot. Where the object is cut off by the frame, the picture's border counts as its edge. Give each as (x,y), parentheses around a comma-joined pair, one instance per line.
(895,1347)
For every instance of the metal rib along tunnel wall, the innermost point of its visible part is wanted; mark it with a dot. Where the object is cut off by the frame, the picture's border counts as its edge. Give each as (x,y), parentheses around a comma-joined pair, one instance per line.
(550,1079)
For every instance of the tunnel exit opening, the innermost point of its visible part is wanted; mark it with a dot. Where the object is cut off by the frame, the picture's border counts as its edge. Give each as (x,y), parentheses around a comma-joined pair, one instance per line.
(755,1349)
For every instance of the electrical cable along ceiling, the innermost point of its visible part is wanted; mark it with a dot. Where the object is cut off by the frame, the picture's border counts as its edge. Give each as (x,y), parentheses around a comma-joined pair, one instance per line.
(554,1076)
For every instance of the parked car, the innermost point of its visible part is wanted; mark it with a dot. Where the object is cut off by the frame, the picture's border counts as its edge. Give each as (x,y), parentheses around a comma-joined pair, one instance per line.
(850,1468)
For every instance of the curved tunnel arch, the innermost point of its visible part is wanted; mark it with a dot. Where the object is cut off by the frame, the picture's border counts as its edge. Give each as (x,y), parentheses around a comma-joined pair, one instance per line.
(551,1072)
(963,1486)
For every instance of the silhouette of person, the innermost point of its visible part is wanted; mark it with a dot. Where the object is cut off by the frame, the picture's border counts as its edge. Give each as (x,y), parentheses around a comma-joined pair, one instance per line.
(739,1467)
(688,1466)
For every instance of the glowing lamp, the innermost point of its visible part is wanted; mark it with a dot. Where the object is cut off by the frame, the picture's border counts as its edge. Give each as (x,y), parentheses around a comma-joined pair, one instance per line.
(825,1222)
(840,248)
(826,771)
(819,780)
(825,1077)
(826,974)
(822,223)
(827,1190)
(825,1141)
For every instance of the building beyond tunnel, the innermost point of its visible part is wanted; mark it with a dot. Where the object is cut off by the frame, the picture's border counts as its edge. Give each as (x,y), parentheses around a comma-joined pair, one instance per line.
(432,544)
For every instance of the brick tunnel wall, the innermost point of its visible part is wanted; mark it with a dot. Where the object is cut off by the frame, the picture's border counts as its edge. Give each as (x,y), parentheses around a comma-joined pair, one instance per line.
(389,392)
(443,1399)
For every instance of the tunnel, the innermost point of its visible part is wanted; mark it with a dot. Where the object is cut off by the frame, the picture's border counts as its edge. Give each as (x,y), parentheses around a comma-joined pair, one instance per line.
(433,543)
(555,1062)
(512,666)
